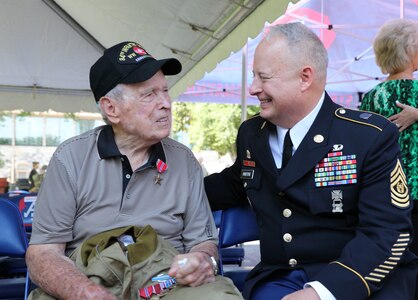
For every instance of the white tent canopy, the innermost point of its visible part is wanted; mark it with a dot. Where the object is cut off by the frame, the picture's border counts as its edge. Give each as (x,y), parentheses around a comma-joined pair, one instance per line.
(48,46)
(347,29)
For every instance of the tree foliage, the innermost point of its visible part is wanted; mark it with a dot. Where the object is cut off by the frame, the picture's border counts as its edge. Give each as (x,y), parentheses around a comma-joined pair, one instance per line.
(209,126)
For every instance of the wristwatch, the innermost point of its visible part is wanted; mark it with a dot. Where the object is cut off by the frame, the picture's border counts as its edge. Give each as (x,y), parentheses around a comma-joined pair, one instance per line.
(212,261)
(214,265)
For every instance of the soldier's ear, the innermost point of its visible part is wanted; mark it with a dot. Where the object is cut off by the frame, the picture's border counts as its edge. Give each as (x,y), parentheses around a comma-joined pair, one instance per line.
(306,77)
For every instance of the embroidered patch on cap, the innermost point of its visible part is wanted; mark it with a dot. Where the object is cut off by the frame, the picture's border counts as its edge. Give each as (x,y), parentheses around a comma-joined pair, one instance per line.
(398,187)
(132,53)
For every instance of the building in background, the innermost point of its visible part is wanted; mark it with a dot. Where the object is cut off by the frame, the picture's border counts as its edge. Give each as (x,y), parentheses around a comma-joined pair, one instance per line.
(31,137)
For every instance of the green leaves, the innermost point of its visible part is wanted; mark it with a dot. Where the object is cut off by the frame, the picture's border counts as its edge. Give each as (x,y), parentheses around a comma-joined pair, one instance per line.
(209,126)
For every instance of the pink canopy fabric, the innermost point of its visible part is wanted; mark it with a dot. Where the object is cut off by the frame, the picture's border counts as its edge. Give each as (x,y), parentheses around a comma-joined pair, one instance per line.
(347,29)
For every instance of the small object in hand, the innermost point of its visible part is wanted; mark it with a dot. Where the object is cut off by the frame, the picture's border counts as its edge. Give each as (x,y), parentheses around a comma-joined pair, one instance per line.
(182,262)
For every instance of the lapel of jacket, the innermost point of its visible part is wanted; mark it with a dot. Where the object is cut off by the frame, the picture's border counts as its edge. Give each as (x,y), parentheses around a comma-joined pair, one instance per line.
(261,147)
(311,150)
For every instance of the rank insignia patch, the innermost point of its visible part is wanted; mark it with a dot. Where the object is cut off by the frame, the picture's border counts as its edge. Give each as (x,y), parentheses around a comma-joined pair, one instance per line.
(398,187)
(336,169)
(365,116)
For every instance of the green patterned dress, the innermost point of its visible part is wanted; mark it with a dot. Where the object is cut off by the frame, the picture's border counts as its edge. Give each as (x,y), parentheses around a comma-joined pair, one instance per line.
(381,100)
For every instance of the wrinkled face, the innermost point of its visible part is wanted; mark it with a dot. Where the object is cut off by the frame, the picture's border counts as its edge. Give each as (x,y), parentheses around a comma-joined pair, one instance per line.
(145,110)
(276,82)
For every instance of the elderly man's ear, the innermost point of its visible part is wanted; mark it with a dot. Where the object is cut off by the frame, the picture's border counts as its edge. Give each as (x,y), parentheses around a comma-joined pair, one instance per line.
(108,107)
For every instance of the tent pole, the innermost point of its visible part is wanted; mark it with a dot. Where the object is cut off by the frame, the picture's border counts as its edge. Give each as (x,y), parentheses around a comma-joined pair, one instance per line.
(322,21)
(13,167)
(244,83)
(401,8)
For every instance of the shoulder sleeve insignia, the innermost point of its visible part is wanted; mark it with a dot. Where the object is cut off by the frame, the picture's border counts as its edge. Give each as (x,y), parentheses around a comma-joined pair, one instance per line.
(399,187)
(361,117)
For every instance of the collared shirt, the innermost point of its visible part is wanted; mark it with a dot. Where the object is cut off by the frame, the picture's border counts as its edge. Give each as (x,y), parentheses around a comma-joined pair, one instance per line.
(297,133)
(87,191)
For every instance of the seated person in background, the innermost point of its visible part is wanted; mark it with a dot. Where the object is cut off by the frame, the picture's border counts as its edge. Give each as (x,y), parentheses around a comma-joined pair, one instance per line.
(396,51)
(326,184)
(127,172)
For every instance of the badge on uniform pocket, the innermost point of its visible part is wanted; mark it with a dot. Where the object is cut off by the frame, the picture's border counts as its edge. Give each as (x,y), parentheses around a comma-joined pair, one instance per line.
(337,201)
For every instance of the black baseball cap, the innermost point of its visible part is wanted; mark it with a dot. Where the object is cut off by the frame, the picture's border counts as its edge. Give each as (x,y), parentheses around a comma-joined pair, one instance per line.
(127,62)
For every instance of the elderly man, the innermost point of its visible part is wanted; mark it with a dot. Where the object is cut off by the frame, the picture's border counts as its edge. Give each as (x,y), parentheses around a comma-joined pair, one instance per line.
(127,172)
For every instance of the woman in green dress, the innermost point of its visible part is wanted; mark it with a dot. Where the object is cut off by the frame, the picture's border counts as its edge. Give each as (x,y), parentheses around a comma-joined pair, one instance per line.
(396,51)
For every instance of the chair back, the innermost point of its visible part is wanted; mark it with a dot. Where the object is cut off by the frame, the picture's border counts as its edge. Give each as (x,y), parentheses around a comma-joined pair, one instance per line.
(13,245)
(217,217)
(13,241)
(238,225)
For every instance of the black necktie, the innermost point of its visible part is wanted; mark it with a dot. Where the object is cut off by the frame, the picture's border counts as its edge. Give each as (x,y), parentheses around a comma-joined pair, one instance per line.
(287,149)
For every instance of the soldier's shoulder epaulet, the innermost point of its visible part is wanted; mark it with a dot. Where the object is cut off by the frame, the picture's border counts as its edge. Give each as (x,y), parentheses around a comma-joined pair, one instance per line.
(255,121)
(362,117)
(257,115)
(254,118)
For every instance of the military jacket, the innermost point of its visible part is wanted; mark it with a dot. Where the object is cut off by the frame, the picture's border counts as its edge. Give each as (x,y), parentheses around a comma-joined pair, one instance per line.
(340,209)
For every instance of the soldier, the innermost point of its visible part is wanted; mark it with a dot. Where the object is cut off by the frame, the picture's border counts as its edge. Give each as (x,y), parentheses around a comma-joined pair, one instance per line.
(326,184)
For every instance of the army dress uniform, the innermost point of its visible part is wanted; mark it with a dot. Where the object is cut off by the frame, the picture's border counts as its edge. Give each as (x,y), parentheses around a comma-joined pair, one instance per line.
(340,209)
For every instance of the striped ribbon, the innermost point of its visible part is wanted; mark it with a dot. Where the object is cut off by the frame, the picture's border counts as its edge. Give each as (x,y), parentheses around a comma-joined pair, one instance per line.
(161,166)
(156,289)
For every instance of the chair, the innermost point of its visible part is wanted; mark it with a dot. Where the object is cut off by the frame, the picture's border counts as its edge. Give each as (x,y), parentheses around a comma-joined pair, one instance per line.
(23,184)
(237,225)
(14,282)
(25,201)
(231,255)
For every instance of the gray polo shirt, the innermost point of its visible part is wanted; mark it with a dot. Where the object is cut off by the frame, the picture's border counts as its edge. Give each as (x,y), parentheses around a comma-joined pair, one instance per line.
(90,188)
